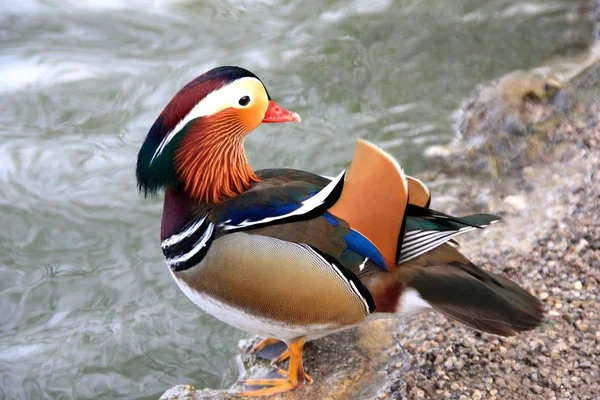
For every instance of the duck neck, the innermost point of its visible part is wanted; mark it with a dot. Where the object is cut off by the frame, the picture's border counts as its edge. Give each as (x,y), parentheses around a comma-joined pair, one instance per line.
(177,211)
(212,164)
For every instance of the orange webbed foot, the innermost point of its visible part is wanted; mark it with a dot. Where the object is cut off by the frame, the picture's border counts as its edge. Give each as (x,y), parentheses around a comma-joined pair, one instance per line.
(282,357)
(307,377)
(263,344)
(271,349)
(294,377)
(275,386)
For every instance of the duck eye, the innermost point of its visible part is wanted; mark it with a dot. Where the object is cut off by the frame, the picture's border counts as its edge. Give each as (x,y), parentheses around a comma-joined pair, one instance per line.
(244,101)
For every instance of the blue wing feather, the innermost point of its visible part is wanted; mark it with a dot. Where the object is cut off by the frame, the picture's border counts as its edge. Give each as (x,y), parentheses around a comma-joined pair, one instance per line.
(278,201)
(363,246)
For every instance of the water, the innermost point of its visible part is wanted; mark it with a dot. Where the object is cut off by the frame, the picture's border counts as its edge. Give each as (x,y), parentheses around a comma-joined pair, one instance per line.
(87,307)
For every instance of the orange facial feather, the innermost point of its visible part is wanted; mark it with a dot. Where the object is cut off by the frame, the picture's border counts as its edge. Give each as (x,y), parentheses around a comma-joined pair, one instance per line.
(211,161)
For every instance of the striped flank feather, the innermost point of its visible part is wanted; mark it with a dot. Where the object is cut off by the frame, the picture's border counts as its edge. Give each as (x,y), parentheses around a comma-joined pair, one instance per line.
(432,229)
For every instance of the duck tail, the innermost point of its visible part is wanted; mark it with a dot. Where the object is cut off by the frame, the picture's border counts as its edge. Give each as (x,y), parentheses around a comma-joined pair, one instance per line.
(446,281)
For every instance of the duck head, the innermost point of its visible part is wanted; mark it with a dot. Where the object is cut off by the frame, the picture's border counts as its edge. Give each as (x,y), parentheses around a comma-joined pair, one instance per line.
(197,142)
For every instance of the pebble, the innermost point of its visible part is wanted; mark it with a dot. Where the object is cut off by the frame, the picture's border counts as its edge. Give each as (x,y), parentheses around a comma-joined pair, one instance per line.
(534,377)
(583,326)
(544,372)
(517,202)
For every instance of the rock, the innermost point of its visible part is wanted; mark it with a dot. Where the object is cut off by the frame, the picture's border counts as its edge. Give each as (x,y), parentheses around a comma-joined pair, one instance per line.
(516,202)
(179,392)
(437,151)
(553,313)
(188,392)
(509,124)
(358,356)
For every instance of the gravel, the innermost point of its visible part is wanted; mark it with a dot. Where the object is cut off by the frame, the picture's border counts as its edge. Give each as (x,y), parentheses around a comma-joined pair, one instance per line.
(556,256)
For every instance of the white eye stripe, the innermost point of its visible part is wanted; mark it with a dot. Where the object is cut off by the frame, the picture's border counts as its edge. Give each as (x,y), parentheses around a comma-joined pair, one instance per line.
(218,100)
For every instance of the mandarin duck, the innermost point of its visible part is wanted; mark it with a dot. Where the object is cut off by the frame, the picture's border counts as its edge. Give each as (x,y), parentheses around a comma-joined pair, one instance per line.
(291,255)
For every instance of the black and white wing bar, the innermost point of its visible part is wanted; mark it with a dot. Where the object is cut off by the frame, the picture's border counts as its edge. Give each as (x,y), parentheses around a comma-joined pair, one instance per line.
(419,242)
(187,248)
(312,206)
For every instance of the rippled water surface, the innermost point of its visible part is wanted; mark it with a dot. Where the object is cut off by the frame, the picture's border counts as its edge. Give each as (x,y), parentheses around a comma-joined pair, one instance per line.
(87,307)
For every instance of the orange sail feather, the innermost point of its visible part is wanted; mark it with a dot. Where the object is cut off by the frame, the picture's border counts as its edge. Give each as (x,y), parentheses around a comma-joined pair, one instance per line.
(374,198)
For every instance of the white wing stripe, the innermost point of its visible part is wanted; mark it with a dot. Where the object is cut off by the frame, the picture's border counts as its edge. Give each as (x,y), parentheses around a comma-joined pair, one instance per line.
(413,235)
(307,205)
(197,247)
(408,245)
(417,251)
(359,296)
(171,240)
(417,246)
